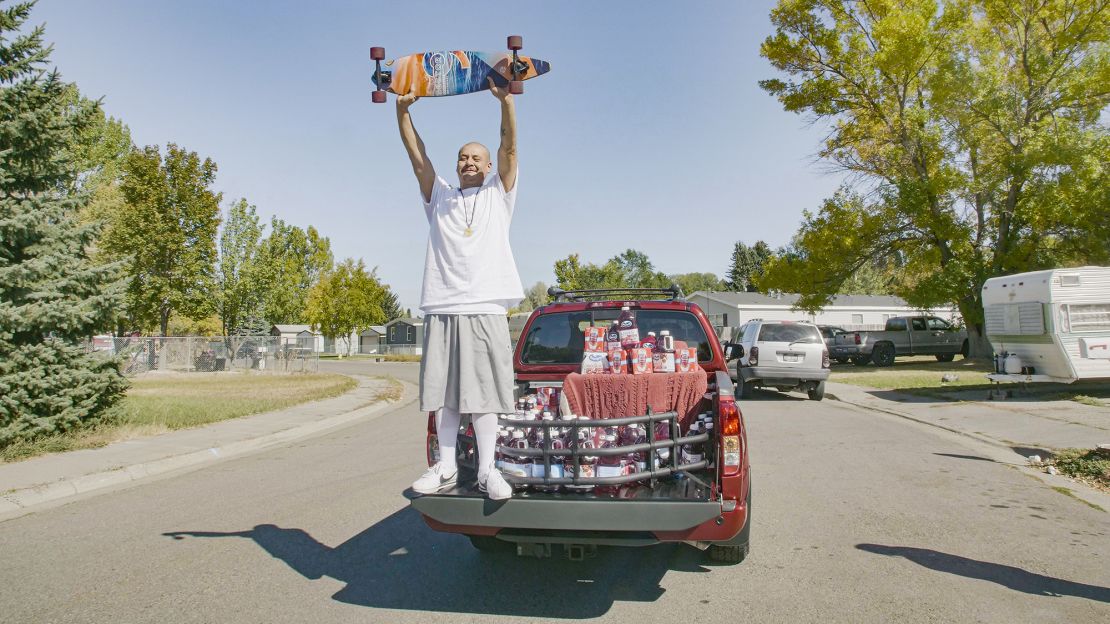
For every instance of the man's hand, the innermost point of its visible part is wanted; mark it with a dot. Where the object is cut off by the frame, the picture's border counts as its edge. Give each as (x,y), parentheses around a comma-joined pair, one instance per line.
(407,100)
(501,93)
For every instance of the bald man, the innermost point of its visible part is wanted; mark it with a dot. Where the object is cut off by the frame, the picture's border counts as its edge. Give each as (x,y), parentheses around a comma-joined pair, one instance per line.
(470,282)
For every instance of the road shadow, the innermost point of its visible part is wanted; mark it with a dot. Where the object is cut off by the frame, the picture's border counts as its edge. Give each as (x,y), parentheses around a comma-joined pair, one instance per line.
(399,563)
(958,456)
(770,394)
(1007,576)
(897,396)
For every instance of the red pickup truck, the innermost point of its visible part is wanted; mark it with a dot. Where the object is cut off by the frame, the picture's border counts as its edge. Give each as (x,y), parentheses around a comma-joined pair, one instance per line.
(706,504)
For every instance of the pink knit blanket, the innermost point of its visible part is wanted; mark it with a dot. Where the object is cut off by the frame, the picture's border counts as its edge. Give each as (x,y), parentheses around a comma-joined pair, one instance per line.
(617,396)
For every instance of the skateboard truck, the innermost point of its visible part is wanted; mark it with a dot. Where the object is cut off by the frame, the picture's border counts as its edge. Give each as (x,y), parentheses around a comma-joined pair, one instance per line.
(377,54)
(516,86)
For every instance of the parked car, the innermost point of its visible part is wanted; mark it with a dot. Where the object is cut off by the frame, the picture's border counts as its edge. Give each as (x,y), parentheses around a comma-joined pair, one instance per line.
(829,332)
(708,506)
(904,335)
(786,355)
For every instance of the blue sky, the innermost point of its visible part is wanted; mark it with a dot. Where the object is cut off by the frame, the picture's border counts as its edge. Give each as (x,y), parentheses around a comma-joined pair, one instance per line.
(650,131)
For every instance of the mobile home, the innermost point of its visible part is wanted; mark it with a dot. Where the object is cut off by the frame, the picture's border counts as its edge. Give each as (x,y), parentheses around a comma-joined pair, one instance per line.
(1054,325)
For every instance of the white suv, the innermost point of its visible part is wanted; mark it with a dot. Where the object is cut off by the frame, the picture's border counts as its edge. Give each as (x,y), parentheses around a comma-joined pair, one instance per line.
(786,355)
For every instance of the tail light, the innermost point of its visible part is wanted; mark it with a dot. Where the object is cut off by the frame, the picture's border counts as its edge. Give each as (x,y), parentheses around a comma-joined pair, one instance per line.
(858,341)
(753,356)
(731,440)
(825,363)
(433,440)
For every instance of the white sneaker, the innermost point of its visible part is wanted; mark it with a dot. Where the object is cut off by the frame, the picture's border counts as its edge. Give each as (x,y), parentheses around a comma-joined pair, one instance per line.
(435,480)
(495,486)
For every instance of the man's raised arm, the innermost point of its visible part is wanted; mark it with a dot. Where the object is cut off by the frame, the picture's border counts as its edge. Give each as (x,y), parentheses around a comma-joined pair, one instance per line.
(421,166)
(506,154)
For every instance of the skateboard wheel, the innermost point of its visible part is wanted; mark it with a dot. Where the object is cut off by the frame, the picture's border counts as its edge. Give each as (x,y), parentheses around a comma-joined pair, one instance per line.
(378,97)
(516,42)
(516,87)
(377,54)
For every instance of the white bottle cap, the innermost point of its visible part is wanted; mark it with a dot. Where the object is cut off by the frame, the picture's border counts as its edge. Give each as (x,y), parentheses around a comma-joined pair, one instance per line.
(662,332)
(624,307)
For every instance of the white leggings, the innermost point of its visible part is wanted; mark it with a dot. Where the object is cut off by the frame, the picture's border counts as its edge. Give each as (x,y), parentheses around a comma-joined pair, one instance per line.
(485,430)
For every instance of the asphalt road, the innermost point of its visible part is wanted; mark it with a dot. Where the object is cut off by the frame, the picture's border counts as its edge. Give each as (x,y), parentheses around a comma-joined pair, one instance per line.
(858,517)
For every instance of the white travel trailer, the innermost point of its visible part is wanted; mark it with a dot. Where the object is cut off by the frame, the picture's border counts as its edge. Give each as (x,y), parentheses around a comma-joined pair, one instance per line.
(1050,325)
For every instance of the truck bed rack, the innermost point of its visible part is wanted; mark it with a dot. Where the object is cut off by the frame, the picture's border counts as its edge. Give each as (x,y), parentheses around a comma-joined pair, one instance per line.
(575,453)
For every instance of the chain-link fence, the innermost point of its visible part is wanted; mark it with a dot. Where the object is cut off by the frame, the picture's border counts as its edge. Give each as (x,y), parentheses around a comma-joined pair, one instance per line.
(267,354)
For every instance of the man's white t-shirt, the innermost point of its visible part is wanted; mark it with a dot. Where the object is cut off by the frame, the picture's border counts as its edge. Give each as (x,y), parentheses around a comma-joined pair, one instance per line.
(473,274)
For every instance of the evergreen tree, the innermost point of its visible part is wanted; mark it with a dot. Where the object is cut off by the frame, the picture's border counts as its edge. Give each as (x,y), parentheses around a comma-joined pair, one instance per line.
(52,297)
(747,265)
(390,305)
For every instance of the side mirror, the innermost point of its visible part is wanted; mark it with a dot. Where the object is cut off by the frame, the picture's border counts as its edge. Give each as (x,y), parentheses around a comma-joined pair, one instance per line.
(733,351)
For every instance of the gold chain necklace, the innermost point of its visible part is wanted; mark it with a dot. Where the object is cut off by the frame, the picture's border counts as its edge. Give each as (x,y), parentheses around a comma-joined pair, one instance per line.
(473,210)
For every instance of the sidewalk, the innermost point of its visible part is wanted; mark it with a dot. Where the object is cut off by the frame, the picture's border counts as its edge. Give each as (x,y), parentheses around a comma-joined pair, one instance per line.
(28,484)
(1024,425)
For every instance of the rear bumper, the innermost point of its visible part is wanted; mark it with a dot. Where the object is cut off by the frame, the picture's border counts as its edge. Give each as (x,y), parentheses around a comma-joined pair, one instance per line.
(584,518)
(843,351)
(772,375)
(567,514)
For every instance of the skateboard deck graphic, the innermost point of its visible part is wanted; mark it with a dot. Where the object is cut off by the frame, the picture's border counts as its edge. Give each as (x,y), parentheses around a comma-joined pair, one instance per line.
(454,72)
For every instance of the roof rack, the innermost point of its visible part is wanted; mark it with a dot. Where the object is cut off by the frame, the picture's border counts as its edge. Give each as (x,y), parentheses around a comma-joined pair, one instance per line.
(672,293)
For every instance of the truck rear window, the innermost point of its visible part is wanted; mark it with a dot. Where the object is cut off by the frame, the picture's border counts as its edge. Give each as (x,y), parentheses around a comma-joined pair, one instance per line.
(557,337)
(789,332)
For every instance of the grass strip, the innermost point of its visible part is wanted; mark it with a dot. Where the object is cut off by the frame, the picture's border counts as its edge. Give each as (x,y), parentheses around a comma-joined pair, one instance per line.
(159,403)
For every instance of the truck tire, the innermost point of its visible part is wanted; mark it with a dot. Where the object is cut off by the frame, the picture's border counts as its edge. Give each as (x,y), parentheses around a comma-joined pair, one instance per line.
(861,360)
(743,390)
(965,348)
(817,391)
(883,354)
(738,548)
(945,357)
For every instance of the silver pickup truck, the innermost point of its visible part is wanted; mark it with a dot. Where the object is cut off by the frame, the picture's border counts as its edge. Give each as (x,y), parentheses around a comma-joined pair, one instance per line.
(904,335)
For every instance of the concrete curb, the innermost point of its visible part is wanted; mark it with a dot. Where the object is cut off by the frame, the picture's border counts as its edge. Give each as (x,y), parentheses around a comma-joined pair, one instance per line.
(1003,453)
(19,502)
(974,436)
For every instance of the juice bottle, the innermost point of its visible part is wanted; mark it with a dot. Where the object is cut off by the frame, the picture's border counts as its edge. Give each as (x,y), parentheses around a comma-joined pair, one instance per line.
(635,461)
(692,452)
(711,445)
(517,466)
(649,342)
(663,358)
(629,332)
(587,464)
(609,465)
(662,431)
(613,336)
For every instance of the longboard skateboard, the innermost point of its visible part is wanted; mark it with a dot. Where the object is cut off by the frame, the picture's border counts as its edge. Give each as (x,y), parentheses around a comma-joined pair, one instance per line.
(453,72)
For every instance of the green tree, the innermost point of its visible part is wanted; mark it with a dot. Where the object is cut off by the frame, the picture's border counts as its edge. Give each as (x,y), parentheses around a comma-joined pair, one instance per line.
(295,260)
(747,265)
(571,274)
(166,228)
(693,282)
(534,297)
(345,301)
(390,306)
(638,271)
(52,297)
(242,281)
(971,129)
